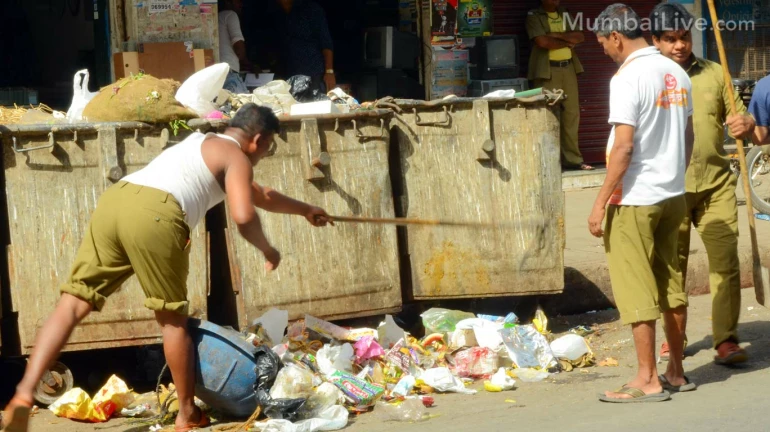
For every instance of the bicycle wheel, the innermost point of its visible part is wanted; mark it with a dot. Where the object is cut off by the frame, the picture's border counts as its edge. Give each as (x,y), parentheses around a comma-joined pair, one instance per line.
(758,164)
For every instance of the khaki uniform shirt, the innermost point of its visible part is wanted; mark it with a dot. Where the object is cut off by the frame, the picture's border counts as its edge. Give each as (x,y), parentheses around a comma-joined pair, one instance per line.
(537,25)
(709,165)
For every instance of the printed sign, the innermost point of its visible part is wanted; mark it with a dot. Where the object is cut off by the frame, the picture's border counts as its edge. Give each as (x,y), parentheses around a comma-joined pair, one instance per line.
(160,6)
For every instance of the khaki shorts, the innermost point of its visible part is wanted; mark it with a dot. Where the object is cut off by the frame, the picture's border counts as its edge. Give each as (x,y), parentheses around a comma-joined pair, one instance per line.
(134,230)
(642,250)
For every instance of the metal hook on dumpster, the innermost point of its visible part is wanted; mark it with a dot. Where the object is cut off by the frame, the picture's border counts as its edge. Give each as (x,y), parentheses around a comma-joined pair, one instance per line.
(445,122)
(337,124)
(18,149)
(360,134)
(557,94)
(75,136)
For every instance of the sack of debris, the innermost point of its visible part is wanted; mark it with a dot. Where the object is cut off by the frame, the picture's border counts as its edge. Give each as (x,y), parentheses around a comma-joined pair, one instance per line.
(139,97)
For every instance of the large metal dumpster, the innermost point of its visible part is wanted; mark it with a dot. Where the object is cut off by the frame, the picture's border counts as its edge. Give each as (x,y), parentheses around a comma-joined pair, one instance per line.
(481,160)
(53,176)
(341,164)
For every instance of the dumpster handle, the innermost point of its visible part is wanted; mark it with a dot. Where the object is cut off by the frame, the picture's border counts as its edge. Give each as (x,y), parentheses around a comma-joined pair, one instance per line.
(558,94)
(360,134)
(18,149)
(444,122)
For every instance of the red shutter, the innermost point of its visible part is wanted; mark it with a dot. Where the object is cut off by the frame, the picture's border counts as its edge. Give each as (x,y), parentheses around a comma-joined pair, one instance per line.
(509,17)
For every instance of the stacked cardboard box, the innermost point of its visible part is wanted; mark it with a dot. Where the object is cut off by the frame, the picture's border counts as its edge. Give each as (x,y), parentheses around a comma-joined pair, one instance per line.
(450,73)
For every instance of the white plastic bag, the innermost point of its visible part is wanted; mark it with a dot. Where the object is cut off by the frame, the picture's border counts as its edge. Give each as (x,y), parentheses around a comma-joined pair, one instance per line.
(487,333)
(80,97)
(324,397)
(200,90)
(276,95)
(530,375)
(337,358)
(275,322)
(442,380)
(292,382)
(332,418)
(570,347)
(500,381)
(389,333)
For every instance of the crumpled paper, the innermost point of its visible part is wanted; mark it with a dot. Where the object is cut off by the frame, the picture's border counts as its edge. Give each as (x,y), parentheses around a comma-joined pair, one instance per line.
(77,405)
(367,348)
(527,347)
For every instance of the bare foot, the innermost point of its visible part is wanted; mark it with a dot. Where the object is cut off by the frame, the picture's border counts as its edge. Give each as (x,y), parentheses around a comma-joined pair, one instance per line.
(190,416)
(648,387)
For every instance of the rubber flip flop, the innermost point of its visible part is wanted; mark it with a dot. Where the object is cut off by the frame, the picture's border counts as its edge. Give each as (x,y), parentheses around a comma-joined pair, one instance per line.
(202,423)
(637,396)
(690,386)
(733,358)
(16,416)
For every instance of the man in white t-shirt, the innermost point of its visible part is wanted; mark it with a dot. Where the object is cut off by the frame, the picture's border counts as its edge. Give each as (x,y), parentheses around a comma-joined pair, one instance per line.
(643,198)
(232,45)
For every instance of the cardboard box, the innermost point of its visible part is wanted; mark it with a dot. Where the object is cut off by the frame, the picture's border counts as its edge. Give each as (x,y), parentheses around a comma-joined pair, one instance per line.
(175,60)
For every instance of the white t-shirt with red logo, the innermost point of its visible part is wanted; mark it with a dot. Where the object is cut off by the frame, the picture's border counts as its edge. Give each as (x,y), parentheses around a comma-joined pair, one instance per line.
(653,94)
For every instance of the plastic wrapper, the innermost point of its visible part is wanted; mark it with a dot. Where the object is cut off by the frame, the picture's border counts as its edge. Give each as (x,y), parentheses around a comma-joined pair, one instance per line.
(438,320)
(332,418)
(400,357)
(268,364)
(367,348)
(303,90)
(527,347)
(476,362)
(571,347)
(200,90)
(531,375)
(326,329)
(408,410)
(276,95)
(540,321)
(511,318)
(462,339)
(486,333)
(77,405)
(404,386)
(292,382)
(500,381)
(335,358)
(325,396)
(274,322)
(442,380)
(359,393)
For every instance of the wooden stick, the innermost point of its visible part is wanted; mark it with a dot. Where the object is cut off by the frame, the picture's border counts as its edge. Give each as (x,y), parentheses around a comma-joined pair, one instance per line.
(433,222)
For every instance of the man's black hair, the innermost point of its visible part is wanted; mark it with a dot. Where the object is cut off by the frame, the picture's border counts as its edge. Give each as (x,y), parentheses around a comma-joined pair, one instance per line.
(254,119)
(618,18)
(670,17)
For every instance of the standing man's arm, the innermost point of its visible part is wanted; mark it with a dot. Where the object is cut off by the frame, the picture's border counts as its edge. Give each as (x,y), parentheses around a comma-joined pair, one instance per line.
(327,49)
(238,41)
(540,37)
(620,160)
(760,109)
(741,124)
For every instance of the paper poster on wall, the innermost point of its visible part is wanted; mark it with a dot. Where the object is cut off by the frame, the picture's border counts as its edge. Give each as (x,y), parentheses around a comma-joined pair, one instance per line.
(160,6)
(474,18)
(443,18)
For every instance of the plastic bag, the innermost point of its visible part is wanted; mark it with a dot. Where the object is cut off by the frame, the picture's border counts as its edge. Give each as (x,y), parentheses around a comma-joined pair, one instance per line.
(462,339)
(486,333)
(476,362)
(276,95)
(437,320)
(367,348)
(325,396)
(410,410)
(442,380)
(500,381)
(332,418)
(200,90)
(274,322)
(337,358)
(531,375)
(404,386)
(292,382)
(268,364)
(389,333)
(303,90)
(80,97)
(527,347)
(570,347)
(77,405)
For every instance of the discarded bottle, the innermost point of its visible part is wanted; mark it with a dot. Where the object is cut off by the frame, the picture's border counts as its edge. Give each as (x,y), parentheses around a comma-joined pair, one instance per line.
(404,386)
(410,410)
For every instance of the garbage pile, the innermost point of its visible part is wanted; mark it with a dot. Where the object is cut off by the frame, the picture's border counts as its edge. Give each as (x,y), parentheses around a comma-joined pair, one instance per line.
(316,373)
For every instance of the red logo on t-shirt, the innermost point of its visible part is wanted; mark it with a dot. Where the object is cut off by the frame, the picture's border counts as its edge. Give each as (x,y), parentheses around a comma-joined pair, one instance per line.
(670,82)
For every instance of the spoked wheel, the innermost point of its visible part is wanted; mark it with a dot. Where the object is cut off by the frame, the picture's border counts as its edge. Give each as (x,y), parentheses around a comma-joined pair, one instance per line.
(55,382)
(758,163)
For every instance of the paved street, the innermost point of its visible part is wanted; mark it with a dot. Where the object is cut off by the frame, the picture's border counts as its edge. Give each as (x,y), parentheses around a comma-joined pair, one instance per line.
(726,398)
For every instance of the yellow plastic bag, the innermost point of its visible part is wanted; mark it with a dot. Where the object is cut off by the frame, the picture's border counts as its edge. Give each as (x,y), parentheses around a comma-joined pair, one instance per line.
(77,405)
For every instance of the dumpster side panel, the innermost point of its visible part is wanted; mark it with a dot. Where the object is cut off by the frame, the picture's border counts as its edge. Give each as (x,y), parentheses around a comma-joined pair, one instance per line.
(51,194)
(517,186)
(334,272)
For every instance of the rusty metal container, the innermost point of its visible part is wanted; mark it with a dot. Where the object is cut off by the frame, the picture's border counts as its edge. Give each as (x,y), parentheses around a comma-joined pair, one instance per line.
(340,163)
(480,160)
(53,177)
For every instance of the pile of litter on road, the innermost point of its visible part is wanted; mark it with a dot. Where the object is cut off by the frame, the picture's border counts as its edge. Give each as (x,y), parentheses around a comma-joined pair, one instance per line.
(327,372)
